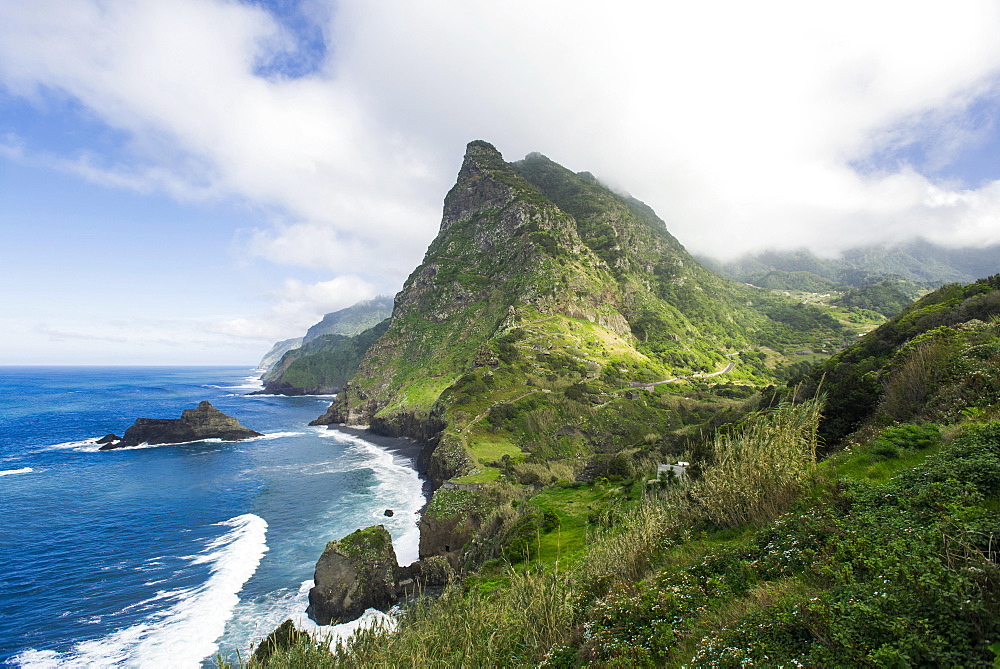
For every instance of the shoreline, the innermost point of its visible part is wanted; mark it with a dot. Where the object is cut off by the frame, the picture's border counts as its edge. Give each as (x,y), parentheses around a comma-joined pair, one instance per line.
(404,447)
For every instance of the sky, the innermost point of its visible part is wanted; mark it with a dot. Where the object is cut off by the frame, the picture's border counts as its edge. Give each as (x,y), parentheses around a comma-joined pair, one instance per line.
(188,181)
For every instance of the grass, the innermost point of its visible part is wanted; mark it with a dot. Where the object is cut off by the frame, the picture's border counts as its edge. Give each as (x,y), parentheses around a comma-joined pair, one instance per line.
(860,463)
(487,446)
(423,392)
(573,506)
(479,475)
(652,585)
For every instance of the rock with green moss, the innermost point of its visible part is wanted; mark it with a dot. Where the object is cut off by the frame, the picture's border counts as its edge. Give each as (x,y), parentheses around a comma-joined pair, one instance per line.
(354,574)
(450,521)
(359,572)
(284,637)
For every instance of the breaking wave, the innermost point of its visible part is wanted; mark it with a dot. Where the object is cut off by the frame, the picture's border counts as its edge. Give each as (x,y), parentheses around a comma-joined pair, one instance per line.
(185,632)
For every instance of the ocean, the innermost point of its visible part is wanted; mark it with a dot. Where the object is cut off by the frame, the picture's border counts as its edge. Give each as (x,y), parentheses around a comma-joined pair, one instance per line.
(168,555)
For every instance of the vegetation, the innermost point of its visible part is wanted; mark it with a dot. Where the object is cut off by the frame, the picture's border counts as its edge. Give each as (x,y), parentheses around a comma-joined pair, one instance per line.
(889,568)
(324,364)
(887,297)
(919,261)
(932,361)
(557,345)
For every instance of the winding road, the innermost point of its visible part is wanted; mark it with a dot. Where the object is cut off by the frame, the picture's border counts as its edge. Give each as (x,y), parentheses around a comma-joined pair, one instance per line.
(649,386)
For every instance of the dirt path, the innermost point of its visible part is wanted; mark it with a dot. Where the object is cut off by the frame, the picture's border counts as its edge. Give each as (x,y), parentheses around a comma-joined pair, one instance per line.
(649,386)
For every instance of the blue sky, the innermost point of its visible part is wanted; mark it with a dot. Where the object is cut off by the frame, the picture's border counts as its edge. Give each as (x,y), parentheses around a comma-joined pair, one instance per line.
(187,181)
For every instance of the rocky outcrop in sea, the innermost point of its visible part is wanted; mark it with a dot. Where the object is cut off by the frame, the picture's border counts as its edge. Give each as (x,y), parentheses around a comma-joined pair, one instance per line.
(202,422)
(360,572)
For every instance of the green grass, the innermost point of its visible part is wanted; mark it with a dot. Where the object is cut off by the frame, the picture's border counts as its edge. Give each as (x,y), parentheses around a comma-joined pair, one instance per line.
(487,446)
(573,506)
(860,463)
(479,475)
(422,392)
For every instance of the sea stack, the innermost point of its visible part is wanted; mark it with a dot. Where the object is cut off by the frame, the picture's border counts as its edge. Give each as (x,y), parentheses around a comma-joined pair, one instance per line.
(202,422)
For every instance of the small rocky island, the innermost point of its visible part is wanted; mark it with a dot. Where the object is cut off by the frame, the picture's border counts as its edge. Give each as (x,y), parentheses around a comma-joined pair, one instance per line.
(202,422)
(360,572)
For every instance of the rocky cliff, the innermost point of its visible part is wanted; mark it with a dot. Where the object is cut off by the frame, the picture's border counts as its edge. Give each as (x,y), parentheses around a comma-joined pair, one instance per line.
(527,251)
(322,365)
(279,349)
(360,572)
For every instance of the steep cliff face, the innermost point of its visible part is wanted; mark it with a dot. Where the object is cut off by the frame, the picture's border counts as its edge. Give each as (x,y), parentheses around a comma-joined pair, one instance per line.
(322,365)
(668,297)
(279,349)
(503,251)
(352,320)
(328,354)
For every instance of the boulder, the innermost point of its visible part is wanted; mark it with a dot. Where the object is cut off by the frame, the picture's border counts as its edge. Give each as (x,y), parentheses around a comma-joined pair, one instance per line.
(285,637)
(354,574)
(359,572)
(202,422)
(109,441)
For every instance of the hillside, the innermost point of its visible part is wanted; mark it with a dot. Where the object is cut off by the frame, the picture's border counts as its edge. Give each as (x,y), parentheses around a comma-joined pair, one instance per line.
(321,366)
(932,361)
(321,361)
(352,320)
(919,261)
(542,307)
(883,554)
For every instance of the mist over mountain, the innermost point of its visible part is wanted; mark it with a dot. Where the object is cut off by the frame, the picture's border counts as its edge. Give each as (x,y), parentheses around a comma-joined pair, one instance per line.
(920,261)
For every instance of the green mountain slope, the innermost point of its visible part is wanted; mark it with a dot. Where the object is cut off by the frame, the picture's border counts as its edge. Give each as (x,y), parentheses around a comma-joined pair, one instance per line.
(884,554)
(543,301)
(328,354)
(323,365)
(887,297)
(352,320)
(919,261)
(935,359)
(526,319)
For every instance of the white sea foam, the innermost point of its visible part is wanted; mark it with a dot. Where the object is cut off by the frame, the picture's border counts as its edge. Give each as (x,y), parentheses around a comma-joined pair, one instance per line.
(299,469)
(401,489)
(249,383)
(254,620)
(275,435)
(331,634)
(83,445)
(186,632)
(91,445)
(267,395)
(22,470)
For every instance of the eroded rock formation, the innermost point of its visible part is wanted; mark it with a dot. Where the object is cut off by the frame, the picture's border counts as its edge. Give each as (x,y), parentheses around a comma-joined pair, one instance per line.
(360,572)
(202,422)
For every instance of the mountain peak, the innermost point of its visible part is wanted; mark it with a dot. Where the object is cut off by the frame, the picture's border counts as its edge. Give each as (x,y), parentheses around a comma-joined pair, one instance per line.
(484,182)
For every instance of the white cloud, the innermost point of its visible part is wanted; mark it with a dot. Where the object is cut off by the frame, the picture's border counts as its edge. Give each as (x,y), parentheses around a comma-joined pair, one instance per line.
(296,307)
(738,122)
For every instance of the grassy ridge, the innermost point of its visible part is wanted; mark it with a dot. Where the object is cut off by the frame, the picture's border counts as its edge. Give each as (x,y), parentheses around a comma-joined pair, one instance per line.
(883,554)
(888,568)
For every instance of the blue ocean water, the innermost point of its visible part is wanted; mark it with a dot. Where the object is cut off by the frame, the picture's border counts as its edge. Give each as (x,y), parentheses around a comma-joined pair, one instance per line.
(165,555)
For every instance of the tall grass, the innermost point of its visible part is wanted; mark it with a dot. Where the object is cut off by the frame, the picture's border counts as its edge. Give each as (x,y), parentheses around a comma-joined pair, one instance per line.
(759,465)
(459,629)
(914,379)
